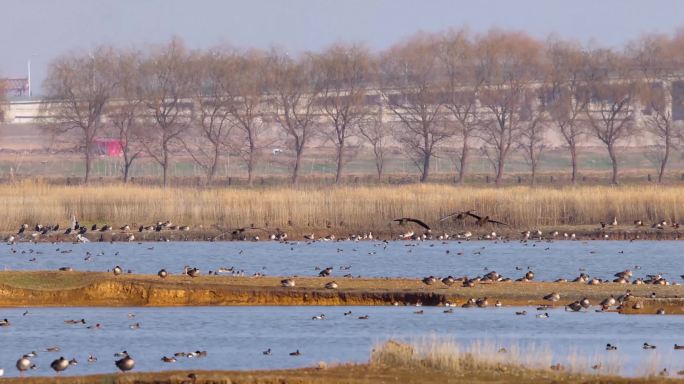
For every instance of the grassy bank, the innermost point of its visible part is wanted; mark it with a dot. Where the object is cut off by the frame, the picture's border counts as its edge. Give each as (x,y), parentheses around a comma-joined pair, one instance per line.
(48,288)
(340,210)
(393,362)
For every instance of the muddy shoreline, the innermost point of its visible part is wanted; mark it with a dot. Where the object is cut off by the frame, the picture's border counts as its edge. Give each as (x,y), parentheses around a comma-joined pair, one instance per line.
(53,288)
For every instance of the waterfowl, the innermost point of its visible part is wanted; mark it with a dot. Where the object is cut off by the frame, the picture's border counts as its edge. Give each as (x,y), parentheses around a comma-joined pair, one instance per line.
(91,358)
(126,363)
(418,312)
(660,311)
(326,272)
(543,315)
(331,285)
(82,321)
(22,228)
(585,303)
(364,317)
(287,283)
(266,352)
(610,347)
(192,272)
(648,346)
(679,347)
(5,323)
(608,301)
(469,304)
(404,220)
(319,317)
(168,359)
(449,281)
(295,353)
(553,296)
(523,313)
(482,220)
(96,326)
(162,273)
(117,270)
(482,303)
(575,306)
(60,364)
(529,275)
(24,364)
(429,280)
(134,326)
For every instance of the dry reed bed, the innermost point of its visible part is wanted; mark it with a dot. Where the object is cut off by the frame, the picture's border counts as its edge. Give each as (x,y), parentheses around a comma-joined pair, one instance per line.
(345,208)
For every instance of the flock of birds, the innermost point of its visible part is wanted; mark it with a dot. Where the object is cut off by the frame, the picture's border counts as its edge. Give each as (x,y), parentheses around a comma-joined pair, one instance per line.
(124,362)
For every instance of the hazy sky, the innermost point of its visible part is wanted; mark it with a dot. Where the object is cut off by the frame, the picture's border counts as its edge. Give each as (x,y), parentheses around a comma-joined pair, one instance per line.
(42,29)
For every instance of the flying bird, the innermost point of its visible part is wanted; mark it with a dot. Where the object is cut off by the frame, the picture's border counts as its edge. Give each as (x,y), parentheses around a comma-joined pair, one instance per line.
(482,220)
(404,220)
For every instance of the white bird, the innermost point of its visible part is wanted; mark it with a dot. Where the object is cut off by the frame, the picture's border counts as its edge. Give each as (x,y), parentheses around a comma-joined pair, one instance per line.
(82,239)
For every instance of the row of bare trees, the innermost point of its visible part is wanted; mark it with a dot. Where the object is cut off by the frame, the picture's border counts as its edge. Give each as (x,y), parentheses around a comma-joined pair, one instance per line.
(448,94)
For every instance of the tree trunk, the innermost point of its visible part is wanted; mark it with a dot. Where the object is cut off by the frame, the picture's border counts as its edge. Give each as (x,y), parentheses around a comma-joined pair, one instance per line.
(573,160)
(426,168)
(663,162)
(214,164)
(499,171)
(88,161)
(378,161)
(340,163)
(250,167)
(127,166)
(533,179)
(165,165)
(295,172)
(613,159)
(464,162)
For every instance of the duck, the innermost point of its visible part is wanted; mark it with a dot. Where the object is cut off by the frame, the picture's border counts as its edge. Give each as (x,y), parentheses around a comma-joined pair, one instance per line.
(92,359)
(660,311)
(266,352)
(469,304)
(5,323)
(482,303)
(450,310)
(521,313)
(498,304)
(82,321)
(648,346)
(610,347)
(543,315)
(364,317)
(319,317)
(126,363)
(162,273)
(134,326)
(608,301)
(575,306)
(171,359)
(295,353)
(60,364)
(679,347)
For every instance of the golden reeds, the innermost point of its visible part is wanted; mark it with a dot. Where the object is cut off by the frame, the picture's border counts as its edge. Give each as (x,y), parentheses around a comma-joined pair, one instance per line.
(342,208)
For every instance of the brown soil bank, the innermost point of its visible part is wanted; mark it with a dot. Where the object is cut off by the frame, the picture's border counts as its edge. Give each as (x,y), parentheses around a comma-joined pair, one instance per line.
(53,288)
(352,374)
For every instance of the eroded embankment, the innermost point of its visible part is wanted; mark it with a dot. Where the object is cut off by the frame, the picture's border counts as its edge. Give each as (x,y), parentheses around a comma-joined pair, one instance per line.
(49,288)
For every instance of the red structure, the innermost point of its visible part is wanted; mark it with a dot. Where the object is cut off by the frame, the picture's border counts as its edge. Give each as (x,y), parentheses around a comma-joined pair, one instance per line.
(108,147)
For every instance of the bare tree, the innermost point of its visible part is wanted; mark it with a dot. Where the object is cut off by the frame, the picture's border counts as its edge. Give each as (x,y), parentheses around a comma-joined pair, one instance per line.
(532,140)
(568,95)
(464,78)
(345,75)
(248,106)
(212,77)
(377,133)
(411,91)
(655,59)
(295,89)
(509,62)
(125,113)
(3,99)
(78,88)
(166,83)
(612,90)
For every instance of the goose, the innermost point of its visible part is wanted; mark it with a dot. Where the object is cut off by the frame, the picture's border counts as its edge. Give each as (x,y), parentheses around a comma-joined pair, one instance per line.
(585,303)
(331,285)
(60,364)
(449,281)
(22,228)
(482,303)
(168,359)
(193,272)
(130,238)
(608,301)
(429,280)
(81,239)
(457,215)
(184,228)
(126,363)
(295,353)
(469,304)
(162,273)
(117,270)
(575,306)
(326,272)
(529,275)
(404,220)
(24,364)
(553,296)
(610,347)
(287,283)
(660,311)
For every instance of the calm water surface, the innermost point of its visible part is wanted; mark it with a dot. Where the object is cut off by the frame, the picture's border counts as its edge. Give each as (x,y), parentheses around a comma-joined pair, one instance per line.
(549,260)
(234,337)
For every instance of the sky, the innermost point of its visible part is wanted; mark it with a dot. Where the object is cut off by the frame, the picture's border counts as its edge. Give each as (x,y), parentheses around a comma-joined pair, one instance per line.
(40,30)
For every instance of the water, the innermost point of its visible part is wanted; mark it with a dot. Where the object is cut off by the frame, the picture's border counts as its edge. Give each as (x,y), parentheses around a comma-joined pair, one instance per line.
(235,337)
(549,260)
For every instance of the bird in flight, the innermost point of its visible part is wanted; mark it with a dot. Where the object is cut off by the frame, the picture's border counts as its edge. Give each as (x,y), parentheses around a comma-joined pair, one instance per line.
(482,220)
(404,220)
